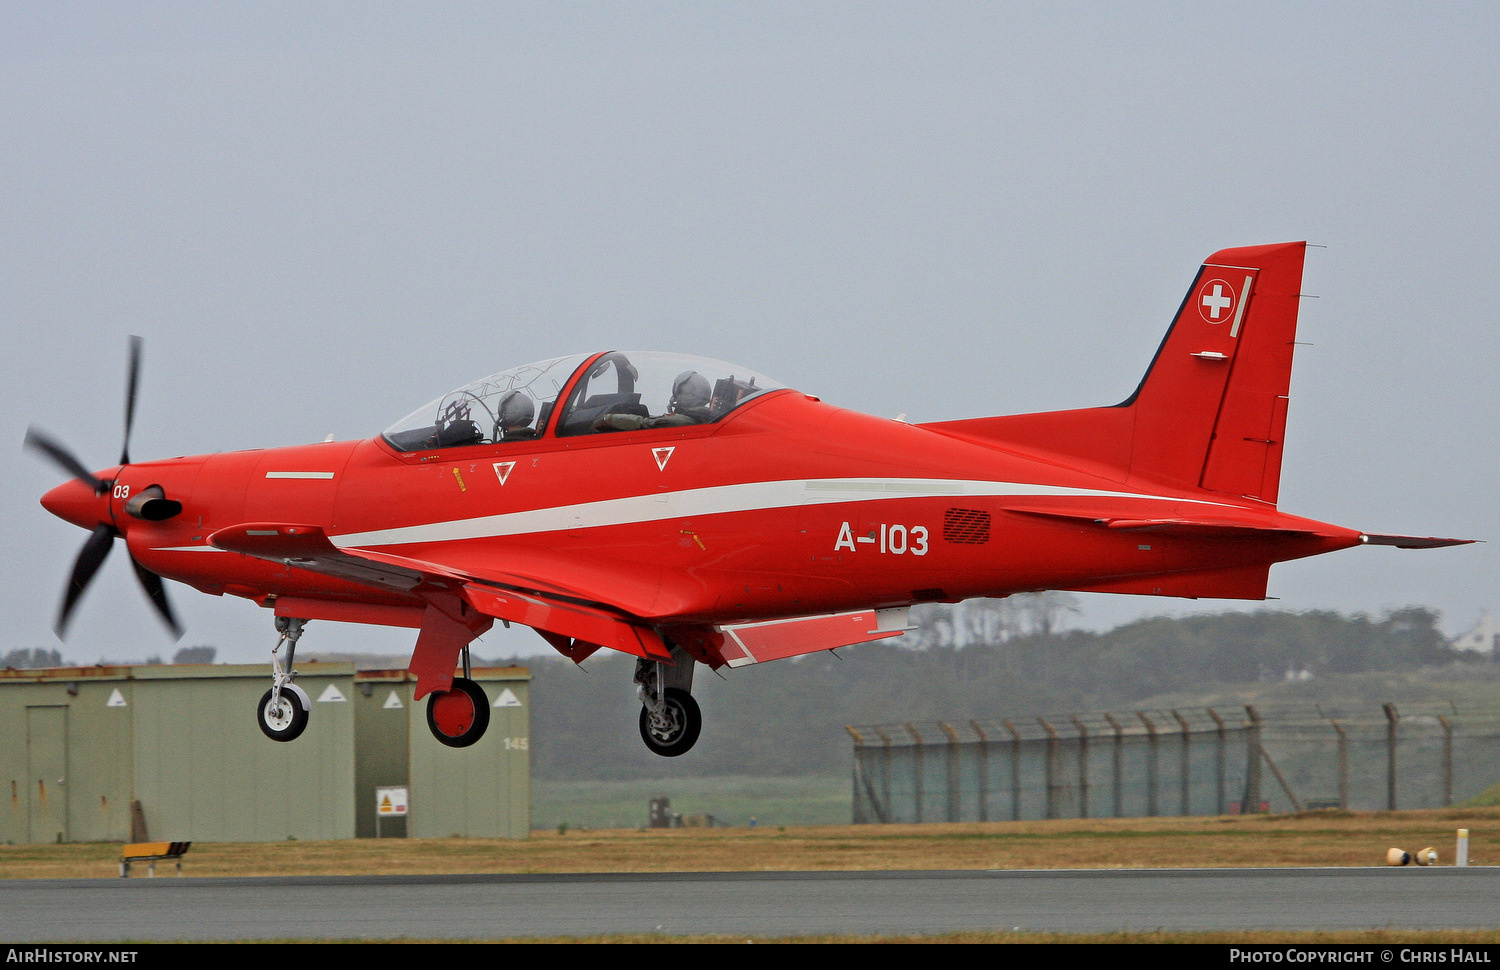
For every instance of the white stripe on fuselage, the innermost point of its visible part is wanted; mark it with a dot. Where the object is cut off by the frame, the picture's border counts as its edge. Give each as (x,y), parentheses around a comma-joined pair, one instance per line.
(716,500)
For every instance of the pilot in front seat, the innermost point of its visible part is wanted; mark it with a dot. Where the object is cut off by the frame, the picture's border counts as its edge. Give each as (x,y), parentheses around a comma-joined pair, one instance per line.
(690,397)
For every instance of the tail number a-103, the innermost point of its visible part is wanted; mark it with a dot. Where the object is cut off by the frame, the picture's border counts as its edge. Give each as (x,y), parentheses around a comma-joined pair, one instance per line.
(894,539)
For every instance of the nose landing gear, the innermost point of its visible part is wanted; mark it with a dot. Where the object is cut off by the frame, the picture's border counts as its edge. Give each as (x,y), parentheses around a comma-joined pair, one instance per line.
(282,711)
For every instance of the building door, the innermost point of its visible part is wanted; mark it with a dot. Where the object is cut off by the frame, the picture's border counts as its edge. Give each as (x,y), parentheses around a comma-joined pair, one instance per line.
(47,773)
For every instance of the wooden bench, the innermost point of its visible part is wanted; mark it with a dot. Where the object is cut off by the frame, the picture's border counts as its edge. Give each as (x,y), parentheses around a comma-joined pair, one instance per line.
(150,853)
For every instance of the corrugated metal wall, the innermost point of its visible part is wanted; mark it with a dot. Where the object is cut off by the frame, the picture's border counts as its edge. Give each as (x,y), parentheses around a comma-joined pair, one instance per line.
(78,745)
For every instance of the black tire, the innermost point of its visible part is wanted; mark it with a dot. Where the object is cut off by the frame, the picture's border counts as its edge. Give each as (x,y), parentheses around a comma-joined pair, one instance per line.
(683,723)
(460,715)
(286,721)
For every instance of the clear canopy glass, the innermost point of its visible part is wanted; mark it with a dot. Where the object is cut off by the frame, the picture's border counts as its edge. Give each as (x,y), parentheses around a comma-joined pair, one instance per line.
(620,391)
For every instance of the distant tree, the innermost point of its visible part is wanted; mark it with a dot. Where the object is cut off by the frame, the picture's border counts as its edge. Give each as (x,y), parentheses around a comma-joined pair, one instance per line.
(991,621)
(24,658)
(195,655)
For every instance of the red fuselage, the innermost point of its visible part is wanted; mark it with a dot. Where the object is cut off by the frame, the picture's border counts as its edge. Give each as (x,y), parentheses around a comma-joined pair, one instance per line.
(786,507)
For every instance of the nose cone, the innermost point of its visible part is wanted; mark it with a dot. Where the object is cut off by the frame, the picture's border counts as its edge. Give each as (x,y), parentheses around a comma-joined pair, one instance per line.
(75,502)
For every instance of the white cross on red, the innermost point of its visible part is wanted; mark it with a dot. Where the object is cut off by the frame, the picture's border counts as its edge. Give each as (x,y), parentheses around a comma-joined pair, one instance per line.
(1217,302)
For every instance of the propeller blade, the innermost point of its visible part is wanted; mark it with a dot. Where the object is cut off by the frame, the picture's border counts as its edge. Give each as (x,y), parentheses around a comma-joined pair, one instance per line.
(153,586)
(37,441)
(130,382)
(90,558)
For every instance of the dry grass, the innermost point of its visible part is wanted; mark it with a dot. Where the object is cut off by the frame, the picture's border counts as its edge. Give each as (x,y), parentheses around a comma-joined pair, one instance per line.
(1323,838)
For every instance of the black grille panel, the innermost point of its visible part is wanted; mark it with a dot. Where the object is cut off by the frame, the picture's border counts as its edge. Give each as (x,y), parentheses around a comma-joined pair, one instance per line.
(967,526)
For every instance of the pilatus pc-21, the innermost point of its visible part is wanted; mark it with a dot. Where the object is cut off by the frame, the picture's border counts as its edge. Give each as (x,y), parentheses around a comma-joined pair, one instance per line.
(688,511)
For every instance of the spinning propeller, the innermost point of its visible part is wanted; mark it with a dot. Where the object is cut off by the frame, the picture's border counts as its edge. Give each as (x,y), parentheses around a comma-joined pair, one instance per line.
(85,502)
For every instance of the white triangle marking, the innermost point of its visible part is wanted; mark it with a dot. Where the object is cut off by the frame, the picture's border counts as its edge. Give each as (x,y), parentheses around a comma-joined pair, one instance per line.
(116,699)
(331,695)
(393,703)
(507,699)
(662,455)
(502,470)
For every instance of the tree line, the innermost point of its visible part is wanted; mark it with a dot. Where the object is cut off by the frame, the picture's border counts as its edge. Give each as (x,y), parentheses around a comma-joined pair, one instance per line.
(790,716)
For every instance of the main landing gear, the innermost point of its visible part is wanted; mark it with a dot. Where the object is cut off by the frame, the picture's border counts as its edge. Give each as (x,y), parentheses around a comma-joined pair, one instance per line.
(670,719)
(459,716)
(282,712)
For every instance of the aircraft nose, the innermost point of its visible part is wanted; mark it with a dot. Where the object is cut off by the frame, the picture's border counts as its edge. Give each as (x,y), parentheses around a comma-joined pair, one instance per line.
(74,501)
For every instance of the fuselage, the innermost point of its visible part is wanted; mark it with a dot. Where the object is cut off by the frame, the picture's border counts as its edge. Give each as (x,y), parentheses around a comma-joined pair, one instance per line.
(787,506)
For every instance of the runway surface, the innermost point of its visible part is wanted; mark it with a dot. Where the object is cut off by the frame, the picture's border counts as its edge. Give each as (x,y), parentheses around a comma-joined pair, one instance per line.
(744,904)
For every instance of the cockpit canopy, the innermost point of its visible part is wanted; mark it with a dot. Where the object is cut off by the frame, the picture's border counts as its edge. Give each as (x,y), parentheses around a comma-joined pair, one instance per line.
(619,391)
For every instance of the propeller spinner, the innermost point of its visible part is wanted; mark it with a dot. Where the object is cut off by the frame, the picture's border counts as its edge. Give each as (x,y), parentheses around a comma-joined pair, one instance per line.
(85,502)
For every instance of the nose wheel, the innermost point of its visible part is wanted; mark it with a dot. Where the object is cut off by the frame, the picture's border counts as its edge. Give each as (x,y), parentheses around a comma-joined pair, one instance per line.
(673,727)
(458,717)
(283,718)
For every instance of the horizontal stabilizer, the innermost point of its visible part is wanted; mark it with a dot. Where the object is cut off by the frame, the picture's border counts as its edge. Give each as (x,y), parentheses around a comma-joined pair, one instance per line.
(1237,583)
(1413,542)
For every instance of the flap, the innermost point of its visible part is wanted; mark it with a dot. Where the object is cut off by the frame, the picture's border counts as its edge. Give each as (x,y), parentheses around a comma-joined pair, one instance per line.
(578,621)
(750,643)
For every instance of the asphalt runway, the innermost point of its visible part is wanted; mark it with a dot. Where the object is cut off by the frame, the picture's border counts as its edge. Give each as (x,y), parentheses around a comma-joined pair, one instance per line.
(744,904)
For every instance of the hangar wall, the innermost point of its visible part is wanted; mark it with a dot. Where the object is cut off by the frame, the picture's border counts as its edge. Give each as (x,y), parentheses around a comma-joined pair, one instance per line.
(79,744)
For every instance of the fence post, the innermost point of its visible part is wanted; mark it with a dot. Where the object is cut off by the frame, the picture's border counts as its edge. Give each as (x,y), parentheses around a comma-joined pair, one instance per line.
(1083,768)
(1221,739)
(1151,754)
(885,774)
(1251,804)
(954,783)
(1117,791)
(858,780)
(1390,749)
(1343,761)
(1447,760)
(1050,767)
(1187,805)
(1015,771)
(918,794)
(983,772)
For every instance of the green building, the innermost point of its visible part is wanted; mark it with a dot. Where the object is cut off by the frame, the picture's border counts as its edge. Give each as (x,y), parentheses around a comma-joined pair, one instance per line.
(174,753)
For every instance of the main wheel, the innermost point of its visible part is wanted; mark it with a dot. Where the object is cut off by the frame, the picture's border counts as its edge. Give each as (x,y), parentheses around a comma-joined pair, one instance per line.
(286,720)
(676,729)
(459,716)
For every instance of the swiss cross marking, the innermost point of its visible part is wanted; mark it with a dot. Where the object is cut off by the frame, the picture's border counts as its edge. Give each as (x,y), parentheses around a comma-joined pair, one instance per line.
(1215,300)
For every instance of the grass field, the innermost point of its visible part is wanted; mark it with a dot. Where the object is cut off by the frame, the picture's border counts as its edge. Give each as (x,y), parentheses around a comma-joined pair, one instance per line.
(1322,838)
(734,801)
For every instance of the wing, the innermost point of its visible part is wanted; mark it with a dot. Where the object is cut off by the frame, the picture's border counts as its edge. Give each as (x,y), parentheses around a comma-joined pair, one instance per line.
(450,606)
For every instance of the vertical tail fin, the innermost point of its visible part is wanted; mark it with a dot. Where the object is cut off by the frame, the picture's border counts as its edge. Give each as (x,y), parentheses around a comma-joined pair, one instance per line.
(1211,411)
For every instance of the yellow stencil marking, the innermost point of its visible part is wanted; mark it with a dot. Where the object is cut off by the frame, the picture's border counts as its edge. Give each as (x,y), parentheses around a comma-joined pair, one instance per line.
(688,532)
(461,486)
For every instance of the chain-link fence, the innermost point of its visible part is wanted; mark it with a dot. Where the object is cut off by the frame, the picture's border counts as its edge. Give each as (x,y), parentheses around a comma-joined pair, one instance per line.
(1196,761)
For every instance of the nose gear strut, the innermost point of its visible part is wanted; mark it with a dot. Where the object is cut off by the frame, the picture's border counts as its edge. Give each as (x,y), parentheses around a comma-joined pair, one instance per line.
(282,712)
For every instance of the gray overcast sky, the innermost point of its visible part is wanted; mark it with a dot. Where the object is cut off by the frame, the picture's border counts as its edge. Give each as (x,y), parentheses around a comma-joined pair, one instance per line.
(320,216)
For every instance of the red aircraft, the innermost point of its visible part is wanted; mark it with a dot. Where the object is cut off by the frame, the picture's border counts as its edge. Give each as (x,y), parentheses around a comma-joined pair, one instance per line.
(687,511)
